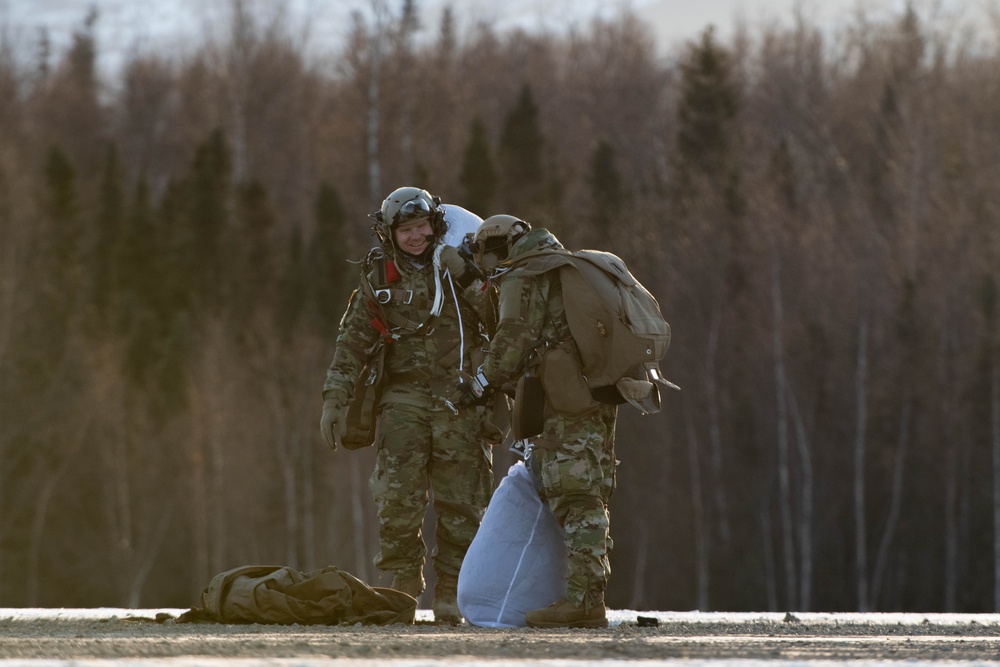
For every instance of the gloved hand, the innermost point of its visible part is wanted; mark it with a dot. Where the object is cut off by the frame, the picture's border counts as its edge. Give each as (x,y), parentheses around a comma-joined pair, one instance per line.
(333,423)
(453,261)
(471,390)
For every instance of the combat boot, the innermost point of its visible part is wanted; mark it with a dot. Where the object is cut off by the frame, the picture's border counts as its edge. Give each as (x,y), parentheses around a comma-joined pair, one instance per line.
(445,605)
(565,614)
(412,585)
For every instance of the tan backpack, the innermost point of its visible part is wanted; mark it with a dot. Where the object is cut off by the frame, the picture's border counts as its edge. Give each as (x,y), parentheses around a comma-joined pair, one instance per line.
(282,595)
(615,322)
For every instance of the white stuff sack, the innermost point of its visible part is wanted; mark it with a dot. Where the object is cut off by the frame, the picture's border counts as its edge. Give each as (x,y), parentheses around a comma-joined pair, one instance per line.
(517,561)
(460,222)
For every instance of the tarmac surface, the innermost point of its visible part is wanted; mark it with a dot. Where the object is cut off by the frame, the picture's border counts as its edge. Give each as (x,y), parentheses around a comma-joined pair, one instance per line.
(104,637)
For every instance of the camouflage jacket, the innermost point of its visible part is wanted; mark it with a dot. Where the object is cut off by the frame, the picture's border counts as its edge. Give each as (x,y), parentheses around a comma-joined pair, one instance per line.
(425,352)
(532,312)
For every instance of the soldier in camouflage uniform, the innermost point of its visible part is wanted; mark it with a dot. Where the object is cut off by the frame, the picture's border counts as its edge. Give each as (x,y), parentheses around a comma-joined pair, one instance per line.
(572,460)
(422,446)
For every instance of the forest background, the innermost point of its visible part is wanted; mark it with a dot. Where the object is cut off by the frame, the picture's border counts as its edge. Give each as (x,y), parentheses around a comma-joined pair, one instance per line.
(816,212)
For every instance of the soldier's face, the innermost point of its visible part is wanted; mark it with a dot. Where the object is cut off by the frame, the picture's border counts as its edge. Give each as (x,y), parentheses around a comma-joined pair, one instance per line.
(414,237)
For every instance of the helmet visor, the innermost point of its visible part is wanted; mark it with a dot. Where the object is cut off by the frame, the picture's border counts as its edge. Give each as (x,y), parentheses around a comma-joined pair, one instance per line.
(490,251)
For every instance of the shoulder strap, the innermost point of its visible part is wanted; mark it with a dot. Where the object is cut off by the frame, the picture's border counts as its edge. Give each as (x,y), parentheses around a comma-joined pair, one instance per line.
(542,261)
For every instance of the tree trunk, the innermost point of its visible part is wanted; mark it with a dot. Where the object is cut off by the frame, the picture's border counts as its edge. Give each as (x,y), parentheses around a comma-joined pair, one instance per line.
(784,463)
(805,523)
(770,567)
(641,558)
(143,563)
(199,509)
(995,428)
(288,460)
(896,502)
(951,532)
(715,425)
(217,507)
(33,578)
(358,519)
(374,119)
(308,523)
(861,398)
(948,429)
(122,521)
(698,515)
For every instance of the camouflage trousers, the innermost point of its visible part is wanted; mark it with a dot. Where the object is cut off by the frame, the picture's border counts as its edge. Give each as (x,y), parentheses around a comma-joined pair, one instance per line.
(423,453)
(577,477)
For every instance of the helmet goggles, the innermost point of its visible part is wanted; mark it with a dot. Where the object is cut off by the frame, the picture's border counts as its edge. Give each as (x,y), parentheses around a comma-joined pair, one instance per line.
(490,251)
(415,209)
(494,239)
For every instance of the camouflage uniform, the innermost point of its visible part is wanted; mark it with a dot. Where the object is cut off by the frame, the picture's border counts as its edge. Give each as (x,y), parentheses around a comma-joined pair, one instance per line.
(422,446)
(573,459)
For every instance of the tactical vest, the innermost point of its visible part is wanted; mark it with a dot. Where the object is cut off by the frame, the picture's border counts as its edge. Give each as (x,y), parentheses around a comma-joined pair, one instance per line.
(398,310)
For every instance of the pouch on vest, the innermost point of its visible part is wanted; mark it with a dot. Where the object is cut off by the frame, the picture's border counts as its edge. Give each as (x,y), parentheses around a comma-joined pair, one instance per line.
(527,418)
(565,386)
(362,412)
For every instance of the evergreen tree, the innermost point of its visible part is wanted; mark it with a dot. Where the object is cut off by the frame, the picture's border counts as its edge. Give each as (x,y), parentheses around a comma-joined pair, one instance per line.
(329,271)
(60,202)
(140,268)
(74,112)
(43,52)
(446,37)
(521,153)
(293,288)
(709,101)
(108,228)
(174,296)
(57,266)
(782,173)
(479,175)
(61,263)
(207,216)
(251,271)
(421,178)
(606,191)
(175,240)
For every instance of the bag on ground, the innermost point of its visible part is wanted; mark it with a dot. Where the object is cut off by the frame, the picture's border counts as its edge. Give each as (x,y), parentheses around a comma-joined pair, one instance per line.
(517,561)
(281,595)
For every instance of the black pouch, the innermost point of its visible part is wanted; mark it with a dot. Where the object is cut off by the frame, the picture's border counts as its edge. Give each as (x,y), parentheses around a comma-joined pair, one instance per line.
(362,413)
(527,418)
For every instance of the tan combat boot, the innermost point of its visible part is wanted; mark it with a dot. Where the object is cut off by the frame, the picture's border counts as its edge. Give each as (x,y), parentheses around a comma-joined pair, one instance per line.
(564,614)
(445,605)
(412,585)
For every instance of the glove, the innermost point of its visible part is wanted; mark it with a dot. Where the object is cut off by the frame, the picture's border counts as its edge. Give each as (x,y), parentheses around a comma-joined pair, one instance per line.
(453,261)
(333,423)
(472,390)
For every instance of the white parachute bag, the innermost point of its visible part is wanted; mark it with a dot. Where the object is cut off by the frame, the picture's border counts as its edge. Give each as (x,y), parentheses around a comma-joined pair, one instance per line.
(460,221)
(517,561)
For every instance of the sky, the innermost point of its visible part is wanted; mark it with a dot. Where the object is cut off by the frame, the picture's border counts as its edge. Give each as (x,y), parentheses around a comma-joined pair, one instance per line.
(125,26)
